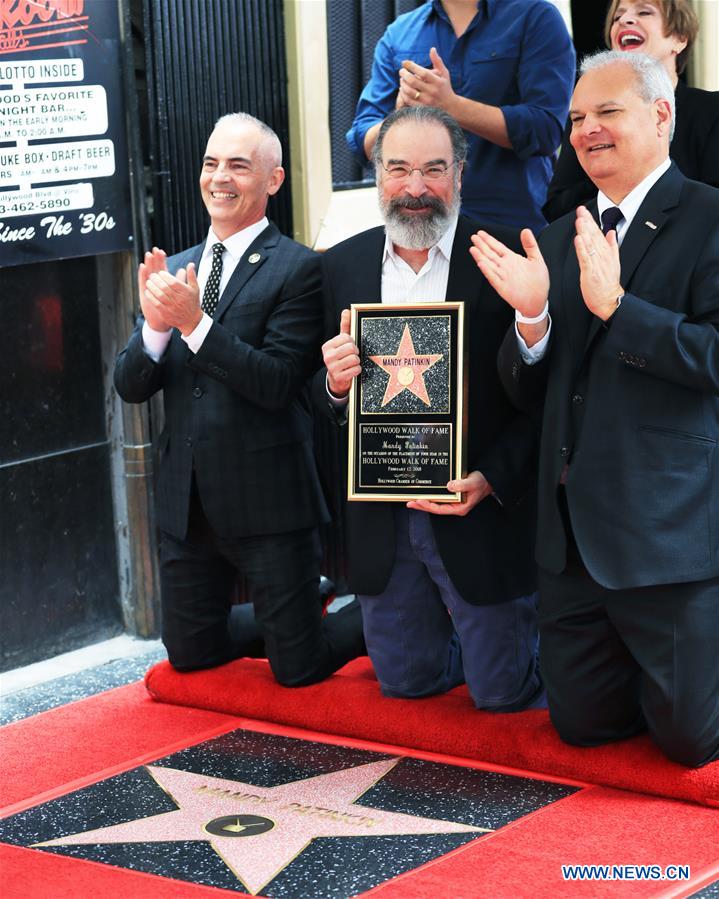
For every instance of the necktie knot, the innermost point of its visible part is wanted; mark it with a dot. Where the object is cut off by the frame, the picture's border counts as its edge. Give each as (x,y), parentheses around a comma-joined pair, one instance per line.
(611,218)
(211,295)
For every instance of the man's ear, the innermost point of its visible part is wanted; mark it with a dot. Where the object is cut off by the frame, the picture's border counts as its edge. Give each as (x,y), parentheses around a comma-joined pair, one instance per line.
(663,112)
(275,180)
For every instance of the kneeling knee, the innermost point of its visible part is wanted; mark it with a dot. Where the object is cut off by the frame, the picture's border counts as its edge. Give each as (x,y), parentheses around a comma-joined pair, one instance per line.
(185,659)
(298,676)
(184,665)
(690,750)
(580,731)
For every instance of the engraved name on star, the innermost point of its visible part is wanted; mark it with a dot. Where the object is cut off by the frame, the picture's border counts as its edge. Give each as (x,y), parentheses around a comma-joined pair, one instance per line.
(406,369)
(258,831)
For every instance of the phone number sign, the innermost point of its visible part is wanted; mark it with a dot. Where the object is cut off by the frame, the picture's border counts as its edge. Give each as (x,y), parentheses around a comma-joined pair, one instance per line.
(64,181)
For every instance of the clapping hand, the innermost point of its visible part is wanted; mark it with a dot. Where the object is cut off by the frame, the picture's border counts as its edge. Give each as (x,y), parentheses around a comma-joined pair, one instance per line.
(599,266)
(154,262)
(419,86)
(175,298)
(523,281)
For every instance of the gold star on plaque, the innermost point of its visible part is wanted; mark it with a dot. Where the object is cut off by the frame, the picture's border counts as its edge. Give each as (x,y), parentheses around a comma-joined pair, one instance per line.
(406,369)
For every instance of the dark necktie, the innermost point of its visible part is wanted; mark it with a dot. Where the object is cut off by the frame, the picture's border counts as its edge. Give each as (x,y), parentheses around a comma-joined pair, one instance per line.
(211,296)
(611,218)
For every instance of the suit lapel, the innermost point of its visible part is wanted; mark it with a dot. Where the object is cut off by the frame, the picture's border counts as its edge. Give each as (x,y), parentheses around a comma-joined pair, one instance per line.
(363,282)
(183,259)
(655,210)
(463,270)
(261,246)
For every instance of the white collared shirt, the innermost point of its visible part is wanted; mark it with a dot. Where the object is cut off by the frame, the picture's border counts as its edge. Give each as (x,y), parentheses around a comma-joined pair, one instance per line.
(236,245)
(633,200)
(629,208)
(400,284)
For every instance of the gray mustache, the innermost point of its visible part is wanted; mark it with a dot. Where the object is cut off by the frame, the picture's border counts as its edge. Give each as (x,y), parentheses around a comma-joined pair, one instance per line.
(433,203)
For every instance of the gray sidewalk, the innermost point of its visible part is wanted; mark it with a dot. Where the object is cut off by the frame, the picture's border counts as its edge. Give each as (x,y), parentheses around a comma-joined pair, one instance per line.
(75,675)
(83,672)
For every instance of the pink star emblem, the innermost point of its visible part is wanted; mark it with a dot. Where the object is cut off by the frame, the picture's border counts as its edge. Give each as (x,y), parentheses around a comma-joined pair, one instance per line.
(258,831)
(406,369)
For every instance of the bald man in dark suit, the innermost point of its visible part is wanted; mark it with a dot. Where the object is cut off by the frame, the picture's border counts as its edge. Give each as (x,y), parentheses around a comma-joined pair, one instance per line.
(238,490)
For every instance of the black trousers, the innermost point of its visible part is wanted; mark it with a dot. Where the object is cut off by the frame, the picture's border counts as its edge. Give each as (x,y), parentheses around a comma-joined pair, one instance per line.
(198,575)
(617,662)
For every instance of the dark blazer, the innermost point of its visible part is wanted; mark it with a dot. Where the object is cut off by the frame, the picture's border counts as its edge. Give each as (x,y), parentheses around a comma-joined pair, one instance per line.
(488,553)
(694,148)
(634,406)
(237,411)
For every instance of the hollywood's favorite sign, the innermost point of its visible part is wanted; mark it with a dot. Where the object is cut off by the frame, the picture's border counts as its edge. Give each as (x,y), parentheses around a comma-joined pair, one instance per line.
(64,185)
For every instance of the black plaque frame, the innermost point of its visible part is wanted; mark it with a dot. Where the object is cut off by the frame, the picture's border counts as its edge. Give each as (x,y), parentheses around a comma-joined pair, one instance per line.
(401,448)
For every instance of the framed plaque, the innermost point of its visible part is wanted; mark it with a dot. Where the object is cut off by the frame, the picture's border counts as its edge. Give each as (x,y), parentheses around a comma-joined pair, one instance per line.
(407,409)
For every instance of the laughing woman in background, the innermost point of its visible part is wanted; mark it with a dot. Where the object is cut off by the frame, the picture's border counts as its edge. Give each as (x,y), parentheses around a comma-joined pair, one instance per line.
(665,29)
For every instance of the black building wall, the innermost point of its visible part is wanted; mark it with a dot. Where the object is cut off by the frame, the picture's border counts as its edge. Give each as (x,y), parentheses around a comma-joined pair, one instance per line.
(58,584)
(203,60)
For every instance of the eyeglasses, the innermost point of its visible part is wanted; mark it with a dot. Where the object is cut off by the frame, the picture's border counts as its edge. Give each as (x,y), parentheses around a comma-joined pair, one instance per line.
(430,172)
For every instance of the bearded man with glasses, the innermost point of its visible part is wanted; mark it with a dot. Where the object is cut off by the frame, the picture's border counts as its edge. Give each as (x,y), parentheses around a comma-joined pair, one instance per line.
(446,590)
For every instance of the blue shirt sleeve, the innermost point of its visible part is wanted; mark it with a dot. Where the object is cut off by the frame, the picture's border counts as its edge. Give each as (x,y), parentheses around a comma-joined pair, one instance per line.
(545,81)
(378,98)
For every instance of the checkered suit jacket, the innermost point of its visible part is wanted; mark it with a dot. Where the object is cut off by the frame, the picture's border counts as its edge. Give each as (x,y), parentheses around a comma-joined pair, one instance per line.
(237,412)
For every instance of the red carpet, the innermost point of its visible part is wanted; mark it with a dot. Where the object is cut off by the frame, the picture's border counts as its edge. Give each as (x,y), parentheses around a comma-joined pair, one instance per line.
(351,705)
(61,750)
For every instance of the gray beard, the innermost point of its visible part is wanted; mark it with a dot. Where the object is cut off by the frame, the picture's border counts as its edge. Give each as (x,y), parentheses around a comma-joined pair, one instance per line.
(419,232)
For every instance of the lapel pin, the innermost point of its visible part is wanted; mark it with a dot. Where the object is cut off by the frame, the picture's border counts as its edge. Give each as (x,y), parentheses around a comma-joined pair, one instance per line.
(650,225)
(255,257)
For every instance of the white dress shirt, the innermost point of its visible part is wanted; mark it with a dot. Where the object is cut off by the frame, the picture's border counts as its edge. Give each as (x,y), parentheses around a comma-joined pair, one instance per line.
(236,245)
(401,284)
(629,208)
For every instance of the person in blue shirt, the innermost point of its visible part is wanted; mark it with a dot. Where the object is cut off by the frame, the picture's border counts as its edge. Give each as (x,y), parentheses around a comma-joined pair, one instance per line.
(504,70)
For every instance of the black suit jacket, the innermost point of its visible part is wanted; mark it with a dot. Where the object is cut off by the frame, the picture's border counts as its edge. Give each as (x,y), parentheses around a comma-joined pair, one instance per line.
(488,553)
(634,407)
(237,412)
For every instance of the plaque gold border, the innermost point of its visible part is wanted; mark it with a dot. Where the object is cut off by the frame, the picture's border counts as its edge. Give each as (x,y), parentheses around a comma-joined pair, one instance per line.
(459,468)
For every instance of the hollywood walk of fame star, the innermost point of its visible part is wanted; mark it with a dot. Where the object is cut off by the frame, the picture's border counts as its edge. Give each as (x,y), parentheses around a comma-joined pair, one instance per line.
(258,831)
(406,369)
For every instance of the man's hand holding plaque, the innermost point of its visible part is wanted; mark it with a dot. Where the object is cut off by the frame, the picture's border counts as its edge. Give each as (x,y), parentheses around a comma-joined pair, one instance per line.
(342,361)
(474,488)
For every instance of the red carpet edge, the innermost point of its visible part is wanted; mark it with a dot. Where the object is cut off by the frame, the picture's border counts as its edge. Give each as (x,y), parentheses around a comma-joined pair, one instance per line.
(350,704)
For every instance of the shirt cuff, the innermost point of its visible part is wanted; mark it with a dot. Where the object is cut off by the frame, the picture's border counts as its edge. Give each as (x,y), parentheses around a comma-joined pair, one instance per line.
(535,353)
(154,342)
(518,121)
(196,338)
(338,401)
